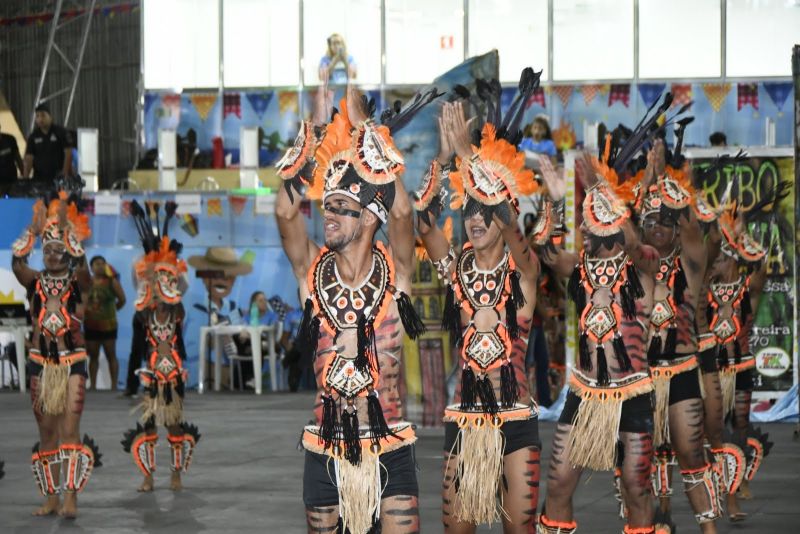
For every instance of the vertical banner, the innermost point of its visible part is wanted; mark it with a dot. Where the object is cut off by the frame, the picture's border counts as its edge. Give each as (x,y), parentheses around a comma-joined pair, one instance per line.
(796,137)
(773,337)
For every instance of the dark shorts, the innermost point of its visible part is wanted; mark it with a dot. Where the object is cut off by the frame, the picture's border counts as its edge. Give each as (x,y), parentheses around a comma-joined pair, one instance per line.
(80,368)
(518,435)
(744,380)
(708,361)
(399,477)
(637,413)
(684,386)
(99,335)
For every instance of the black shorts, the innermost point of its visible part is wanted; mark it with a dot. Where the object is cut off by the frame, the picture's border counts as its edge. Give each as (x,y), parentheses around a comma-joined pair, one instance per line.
(637,413)
(708,361)
(34,369)
(744,380)
(684,386)
(518,435)
(99,335)
(399,477)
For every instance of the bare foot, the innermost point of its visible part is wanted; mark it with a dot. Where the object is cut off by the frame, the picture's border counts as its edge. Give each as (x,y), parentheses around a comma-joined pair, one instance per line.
(147,484)
(175,484)
(744,491)
(735,513)
(69,510)
(50,506)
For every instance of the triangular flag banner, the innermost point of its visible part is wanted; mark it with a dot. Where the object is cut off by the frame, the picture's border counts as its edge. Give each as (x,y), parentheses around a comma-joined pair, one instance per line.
(536,98)
(650,92)
(619,92)
(203,103)
(747,94)
(564,93)
(778,92)
(259,102)
(214,207)
(681,94)
(716,93)
(232,105)
(287,101)
(591,91)
(237,203)
(149,99)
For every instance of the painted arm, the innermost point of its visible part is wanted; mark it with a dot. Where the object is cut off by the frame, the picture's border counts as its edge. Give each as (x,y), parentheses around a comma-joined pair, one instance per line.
(292,228)
(401,231)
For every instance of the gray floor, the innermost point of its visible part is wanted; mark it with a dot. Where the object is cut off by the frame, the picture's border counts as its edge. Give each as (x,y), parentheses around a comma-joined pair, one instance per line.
(247,474)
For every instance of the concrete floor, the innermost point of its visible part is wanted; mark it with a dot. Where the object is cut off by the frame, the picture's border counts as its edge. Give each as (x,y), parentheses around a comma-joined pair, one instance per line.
(247,474)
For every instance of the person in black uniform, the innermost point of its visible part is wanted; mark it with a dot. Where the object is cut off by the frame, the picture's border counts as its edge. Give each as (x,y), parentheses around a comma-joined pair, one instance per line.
(10,161)
(49,150)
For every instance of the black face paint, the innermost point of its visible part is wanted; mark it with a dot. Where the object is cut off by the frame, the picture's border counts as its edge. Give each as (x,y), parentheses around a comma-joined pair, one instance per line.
(343,211)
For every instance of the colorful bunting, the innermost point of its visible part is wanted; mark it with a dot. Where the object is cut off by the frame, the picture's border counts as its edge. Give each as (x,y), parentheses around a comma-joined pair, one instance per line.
(716,94)
(40,19)
(681,94)
(592,90)
(619,92)
(259,102)
(237,203)
(232,104)
(747,94)
(778,92)
(650,92)
(536,98)
(564,93)
(214,207)
(287,101)
(189,224)
(203,103)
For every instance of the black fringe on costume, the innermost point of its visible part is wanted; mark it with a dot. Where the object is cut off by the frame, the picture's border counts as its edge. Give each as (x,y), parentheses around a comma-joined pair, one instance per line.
(584,359)
(671,342)
(517,296)
(737,352)
(408,316)
(308,332)
(53,351)
(69,341)
(602,366)
(192,430)
(722,357)
(377,422)
(327,428)
(637,291)
(130,435)
(468,388)
(574,286)
(89,442)
(746,309)
(621,353)
(630,291)
(367,357)
(509,392)
(180,388)
(654,351)
(451,317)
(679,287)
(511,319)
(487,396)
(167,393)
(352,444)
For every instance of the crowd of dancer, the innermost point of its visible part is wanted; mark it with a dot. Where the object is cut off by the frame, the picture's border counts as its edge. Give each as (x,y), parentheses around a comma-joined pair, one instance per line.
(664,284)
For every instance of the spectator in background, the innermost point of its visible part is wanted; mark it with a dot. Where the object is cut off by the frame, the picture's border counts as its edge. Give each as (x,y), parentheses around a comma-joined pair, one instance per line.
(49,150)
(718,139)
(538,137)
(10,162)
(337,66)
(106,296)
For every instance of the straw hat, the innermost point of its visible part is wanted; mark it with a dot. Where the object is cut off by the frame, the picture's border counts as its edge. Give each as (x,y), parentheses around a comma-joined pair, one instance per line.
(221,259)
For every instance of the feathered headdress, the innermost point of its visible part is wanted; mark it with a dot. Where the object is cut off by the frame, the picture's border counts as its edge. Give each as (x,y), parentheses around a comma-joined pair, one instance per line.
(495,176)
(359,161)
(606,206)
(56,218)
(158,272)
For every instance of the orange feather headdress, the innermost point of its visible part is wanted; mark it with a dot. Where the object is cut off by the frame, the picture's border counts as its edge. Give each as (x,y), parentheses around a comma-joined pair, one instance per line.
(61,221)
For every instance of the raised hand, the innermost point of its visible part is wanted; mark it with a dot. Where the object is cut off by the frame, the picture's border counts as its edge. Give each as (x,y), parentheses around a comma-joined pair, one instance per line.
(554,180)
(355,107)
(445,148)
(584,170)
(459,131)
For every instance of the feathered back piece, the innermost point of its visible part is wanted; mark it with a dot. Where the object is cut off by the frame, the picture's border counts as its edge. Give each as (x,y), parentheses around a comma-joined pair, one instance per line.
(158,272)
(495,176)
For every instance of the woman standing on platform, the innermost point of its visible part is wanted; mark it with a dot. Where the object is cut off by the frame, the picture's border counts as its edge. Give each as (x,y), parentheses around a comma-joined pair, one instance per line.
(100,325)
